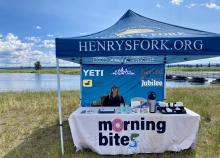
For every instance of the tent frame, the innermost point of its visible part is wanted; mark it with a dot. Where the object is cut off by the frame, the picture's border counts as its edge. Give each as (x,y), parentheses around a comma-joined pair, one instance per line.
(67,48)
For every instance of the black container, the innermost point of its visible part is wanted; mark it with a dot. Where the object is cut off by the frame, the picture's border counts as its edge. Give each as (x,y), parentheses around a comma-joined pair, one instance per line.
(152,102)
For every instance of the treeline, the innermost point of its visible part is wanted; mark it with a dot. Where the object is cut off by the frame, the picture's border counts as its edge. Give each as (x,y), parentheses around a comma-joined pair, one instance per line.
(193,66)
(47,67)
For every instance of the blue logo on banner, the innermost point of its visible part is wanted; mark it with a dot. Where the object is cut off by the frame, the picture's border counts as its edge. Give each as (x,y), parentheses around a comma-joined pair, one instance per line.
(131,80)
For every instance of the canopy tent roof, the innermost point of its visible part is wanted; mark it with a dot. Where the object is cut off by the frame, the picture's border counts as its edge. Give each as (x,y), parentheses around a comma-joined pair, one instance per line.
(135,39)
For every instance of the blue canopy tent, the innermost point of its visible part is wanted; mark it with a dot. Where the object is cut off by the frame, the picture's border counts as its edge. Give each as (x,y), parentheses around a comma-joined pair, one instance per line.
(135,39)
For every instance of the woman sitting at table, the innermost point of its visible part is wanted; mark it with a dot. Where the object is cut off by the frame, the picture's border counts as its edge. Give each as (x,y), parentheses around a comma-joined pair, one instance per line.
(114,98)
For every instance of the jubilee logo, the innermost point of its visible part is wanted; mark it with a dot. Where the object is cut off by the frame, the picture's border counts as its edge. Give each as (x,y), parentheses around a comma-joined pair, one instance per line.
(151,83)
(111,133)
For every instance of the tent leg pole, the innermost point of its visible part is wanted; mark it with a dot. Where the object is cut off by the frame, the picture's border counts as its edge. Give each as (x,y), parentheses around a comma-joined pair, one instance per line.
(164,95)
(60,107)
(80,85)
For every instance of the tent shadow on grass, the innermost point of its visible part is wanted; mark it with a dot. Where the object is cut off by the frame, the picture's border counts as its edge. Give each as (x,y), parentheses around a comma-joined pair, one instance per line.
(45,143)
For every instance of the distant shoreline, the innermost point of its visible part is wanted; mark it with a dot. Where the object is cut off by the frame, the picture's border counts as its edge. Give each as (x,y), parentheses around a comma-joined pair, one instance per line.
(76,70)
(73,71)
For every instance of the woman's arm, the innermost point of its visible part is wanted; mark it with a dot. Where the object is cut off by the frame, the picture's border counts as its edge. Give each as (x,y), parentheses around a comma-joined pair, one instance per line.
(105,102)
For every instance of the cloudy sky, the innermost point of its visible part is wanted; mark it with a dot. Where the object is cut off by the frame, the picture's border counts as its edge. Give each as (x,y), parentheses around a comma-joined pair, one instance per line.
(28,27)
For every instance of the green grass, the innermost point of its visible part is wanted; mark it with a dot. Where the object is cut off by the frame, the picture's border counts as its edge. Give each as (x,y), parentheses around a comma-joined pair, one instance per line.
(29,124)
(194,69)
(42,71)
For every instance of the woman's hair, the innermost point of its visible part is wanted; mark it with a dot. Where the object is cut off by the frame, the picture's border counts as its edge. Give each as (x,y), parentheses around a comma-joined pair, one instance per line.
(117,95)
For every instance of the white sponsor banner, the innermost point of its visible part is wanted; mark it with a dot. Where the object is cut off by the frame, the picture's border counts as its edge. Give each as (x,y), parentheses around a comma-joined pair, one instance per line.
(112,134)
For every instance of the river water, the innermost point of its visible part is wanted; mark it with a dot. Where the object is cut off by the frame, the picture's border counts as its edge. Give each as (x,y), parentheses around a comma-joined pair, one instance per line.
(47,82)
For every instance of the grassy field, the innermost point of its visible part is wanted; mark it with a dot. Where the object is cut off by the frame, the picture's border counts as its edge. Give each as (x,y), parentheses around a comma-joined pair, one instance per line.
(28,124)
(42,71)
(194,69)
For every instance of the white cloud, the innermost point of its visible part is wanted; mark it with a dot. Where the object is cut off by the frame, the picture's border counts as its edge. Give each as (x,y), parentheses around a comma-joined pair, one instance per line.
(49,43)
(191,5)
(212,5)
(15,52)
(50,35)
(38,27)
(12,43)
(176,2)
(158,5)
(33,39)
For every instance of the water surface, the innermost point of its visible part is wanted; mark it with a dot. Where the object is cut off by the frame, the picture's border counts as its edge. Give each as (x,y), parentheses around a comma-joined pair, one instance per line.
(47,82)
(37,82)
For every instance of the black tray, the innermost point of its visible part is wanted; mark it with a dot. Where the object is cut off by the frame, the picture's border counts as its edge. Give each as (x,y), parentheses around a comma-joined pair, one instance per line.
(104,111)
(174,111)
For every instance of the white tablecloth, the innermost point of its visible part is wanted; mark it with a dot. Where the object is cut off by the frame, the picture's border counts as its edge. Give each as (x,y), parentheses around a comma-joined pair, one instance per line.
(111,134)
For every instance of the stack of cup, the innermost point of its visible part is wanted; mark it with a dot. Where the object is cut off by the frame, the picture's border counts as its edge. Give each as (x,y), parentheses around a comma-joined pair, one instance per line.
(122,108)
(127,109)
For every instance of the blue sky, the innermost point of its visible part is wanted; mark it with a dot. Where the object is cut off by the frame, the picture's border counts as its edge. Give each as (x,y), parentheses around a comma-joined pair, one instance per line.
(28,27)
